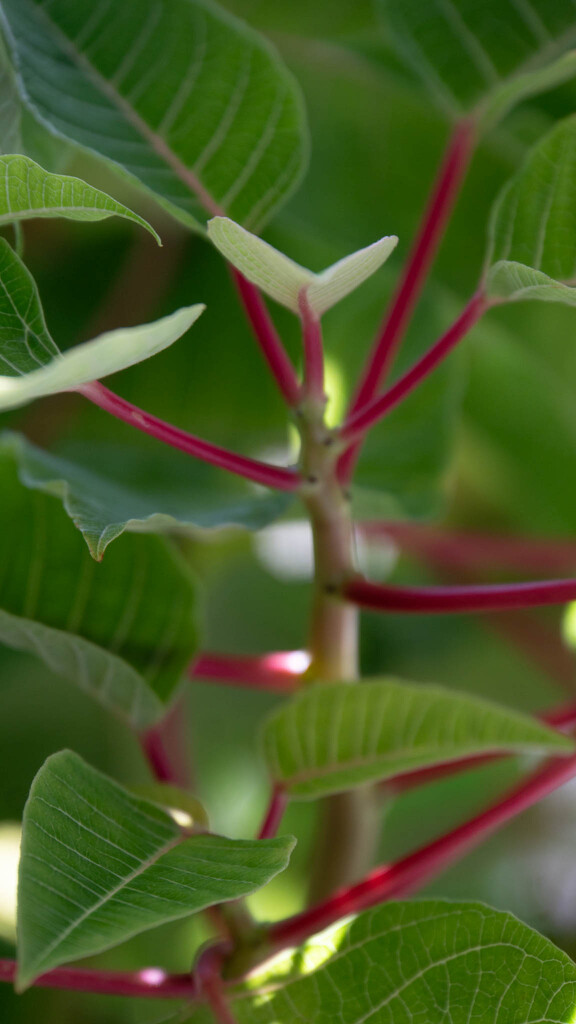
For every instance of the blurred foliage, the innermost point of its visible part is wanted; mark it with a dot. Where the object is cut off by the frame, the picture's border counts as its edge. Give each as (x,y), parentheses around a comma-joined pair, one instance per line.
(489,443)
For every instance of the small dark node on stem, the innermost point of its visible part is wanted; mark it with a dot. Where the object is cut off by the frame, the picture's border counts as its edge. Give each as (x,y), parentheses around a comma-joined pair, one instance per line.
(312,479)
(328,441)
(347,495)
(331,588)
(298,412)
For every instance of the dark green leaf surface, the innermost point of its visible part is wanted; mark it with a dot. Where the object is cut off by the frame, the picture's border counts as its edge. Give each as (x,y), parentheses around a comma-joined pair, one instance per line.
(484,56)
(179,94)
(104,506)
(123,631)
(99,865)
(430,962)
(331,738)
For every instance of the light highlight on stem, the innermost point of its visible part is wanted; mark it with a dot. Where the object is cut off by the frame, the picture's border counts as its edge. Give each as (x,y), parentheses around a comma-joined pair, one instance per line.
(279,671)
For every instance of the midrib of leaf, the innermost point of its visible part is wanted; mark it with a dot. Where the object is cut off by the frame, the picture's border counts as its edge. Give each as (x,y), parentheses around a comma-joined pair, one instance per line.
(156,141)
(142,867)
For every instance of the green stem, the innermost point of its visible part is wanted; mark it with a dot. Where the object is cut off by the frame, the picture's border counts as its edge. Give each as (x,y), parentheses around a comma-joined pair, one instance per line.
(346,831)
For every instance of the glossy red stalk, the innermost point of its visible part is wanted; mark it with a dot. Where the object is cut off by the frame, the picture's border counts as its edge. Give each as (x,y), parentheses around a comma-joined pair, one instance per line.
(279,671)
(313,350)
(165,748)
(268,338)
(209,978)
(149,983)
(368,415)
(443,197)
(454,600)
(411,872)
(260,472)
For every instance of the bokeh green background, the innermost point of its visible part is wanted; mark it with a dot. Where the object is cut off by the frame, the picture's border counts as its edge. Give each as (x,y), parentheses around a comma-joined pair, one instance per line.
(490,444)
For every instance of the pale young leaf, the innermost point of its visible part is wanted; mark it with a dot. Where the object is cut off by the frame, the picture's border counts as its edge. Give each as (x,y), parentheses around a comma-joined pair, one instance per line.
(283,279)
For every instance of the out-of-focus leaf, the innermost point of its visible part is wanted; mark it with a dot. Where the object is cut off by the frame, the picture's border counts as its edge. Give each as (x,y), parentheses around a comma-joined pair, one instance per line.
(283,279)
(484,57)
(180,95)
(123,631)
(532,239)
(429,960)
(30,360)
(331,738)
(27,191)
(10,105)
(103,506)
(99,865)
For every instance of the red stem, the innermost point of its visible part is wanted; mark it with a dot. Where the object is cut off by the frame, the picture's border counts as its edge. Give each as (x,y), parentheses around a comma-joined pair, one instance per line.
(268,338)
(274,814)
(367,416)
(150,983)
(166,750)
(279,671)
(313,349)
(473,550)
(409,873)
(260,472)
(210,984)
(438,210)
(447,600)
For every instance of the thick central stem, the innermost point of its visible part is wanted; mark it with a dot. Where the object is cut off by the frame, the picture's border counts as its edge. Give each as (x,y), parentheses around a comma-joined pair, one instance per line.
(346,834)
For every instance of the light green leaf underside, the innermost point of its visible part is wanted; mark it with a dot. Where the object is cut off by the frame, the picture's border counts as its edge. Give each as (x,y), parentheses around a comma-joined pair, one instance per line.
(514,282)
(123,631)
(532,233)
(103,506)
(486,56)
(427,962)
(99,865)
(30,361)
(331,738)
(179,94)
(283,279)
(27,191)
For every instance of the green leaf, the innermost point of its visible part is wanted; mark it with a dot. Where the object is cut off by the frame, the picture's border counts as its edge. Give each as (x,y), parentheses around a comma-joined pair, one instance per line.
(178,94)
(99,865)
(27,191)
(427,961)
(283,279)
(123,632)
(330,738)
(104,505)
(532,235)
(484,57)
(30,360)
